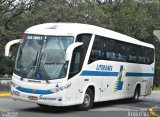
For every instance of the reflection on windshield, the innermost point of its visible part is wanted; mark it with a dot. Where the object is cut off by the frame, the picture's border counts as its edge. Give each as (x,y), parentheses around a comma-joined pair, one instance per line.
(53,56)
(42,58)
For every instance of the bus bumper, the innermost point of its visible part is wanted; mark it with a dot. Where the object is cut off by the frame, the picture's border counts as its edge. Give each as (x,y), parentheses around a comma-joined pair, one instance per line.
(55,99)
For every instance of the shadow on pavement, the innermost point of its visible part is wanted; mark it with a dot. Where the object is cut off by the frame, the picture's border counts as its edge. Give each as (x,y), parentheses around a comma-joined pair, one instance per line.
(51,109)
(70,109)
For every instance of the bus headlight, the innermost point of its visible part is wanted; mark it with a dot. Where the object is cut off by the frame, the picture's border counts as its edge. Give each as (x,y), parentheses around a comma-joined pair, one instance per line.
(57,89)
(14,85)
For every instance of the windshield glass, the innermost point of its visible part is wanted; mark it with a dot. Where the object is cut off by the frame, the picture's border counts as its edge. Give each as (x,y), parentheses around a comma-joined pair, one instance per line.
(42,57)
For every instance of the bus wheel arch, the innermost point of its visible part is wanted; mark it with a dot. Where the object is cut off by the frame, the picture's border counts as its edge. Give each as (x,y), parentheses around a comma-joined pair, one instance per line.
(88,98)
(137,92)
(92,88)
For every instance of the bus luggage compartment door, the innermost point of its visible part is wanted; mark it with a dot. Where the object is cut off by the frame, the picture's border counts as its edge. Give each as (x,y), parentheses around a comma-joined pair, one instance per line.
(143,87)
(146,87)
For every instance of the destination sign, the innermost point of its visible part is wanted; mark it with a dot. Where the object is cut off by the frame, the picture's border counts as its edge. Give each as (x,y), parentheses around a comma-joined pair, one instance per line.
(34,37)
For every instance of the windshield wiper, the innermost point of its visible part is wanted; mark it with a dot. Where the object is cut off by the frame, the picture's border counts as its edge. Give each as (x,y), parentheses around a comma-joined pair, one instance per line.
(63,70)
(32,65)
(38,66)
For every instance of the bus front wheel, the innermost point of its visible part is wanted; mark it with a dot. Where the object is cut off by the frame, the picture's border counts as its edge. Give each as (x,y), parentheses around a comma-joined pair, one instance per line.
(43,106)
(87,101)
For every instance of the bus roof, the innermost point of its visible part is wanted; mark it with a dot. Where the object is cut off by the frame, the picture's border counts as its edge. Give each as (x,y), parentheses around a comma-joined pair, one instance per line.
(72,29)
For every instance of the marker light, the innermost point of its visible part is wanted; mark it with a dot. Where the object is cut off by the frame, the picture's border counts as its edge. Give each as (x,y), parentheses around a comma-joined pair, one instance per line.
(23,37)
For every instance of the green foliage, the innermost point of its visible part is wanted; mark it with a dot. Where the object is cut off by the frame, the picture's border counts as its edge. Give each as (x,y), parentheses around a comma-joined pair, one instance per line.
(134,18)
(157,89)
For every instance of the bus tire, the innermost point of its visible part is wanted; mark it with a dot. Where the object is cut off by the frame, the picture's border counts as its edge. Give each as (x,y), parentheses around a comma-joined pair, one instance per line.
(43,106)
(48,107)
(87,101)
(136,95)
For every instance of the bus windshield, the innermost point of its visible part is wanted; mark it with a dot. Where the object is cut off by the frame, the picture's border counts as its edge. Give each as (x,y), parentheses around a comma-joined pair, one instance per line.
(42,57)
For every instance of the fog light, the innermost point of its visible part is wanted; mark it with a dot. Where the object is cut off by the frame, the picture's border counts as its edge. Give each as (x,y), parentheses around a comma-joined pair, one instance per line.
(60,99)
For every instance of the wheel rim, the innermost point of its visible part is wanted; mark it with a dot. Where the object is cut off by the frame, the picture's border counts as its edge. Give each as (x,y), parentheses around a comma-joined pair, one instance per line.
(86,101)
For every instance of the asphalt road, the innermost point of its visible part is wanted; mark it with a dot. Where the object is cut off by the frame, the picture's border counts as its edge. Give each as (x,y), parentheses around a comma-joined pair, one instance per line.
(118,108)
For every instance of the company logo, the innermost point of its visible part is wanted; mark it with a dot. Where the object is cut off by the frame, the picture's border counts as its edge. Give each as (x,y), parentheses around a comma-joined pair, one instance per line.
(38,76)
(33,91)
(46,98)
(120,79)
(16,93)
(104,68)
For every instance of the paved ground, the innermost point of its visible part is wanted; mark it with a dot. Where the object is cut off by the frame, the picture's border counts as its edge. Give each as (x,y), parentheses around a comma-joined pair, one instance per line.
(119,108)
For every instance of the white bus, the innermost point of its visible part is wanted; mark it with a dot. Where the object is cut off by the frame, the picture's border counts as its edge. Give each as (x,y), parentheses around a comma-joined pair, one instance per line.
(62,64)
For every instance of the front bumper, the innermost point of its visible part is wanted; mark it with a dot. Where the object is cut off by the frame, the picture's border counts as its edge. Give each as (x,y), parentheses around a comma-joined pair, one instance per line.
(51,99)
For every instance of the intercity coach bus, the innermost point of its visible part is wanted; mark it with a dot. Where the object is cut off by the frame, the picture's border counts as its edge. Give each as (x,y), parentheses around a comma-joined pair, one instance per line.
(63,64)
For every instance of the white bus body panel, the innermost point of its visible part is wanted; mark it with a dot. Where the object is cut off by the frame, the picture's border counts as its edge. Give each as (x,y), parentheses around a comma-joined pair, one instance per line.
(105,85)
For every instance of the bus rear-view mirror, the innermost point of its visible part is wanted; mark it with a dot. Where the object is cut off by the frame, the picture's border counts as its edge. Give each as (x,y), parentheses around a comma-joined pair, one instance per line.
(70,50)
(8,46)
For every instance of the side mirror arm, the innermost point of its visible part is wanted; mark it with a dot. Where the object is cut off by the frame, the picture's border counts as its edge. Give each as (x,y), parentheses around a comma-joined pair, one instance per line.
(70,49)
(8,45)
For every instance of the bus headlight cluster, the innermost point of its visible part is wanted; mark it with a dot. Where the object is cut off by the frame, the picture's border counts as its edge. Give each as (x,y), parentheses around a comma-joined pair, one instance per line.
(57,89)
(14,85)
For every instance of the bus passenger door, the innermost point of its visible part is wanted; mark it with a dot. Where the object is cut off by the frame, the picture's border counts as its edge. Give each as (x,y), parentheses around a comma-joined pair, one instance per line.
(72,92)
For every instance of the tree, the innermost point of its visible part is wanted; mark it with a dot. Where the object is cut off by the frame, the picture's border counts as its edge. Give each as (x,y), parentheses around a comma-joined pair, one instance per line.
(135,18)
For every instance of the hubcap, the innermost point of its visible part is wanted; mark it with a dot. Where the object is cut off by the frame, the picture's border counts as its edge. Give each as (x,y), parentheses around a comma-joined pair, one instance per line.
(86,100)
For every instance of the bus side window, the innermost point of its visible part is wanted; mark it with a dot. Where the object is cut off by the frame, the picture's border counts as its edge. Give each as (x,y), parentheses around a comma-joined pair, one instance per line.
(103,49)
(112,50)
(147,56)
(150,56)
(132,53)
(121,52)
(106,55)
(141,55)
(79,54)
(96,51)
(85,38)
(75,63)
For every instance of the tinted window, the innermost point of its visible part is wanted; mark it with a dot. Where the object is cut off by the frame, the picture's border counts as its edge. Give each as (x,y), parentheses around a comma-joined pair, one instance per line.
(75,62)
(114,50)
(142,55)
(121,51)
(132,53)
(79,54)
(85,38)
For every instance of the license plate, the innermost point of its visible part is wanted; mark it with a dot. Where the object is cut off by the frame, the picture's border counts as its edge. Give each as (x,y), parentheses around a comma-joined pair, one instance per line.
(32,98)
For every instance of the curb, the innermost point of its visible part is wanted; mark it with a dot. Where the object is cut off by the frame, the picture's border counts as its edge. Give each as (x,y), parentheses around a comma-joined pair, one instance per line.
(157,90)
(5,94)
(152,113)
